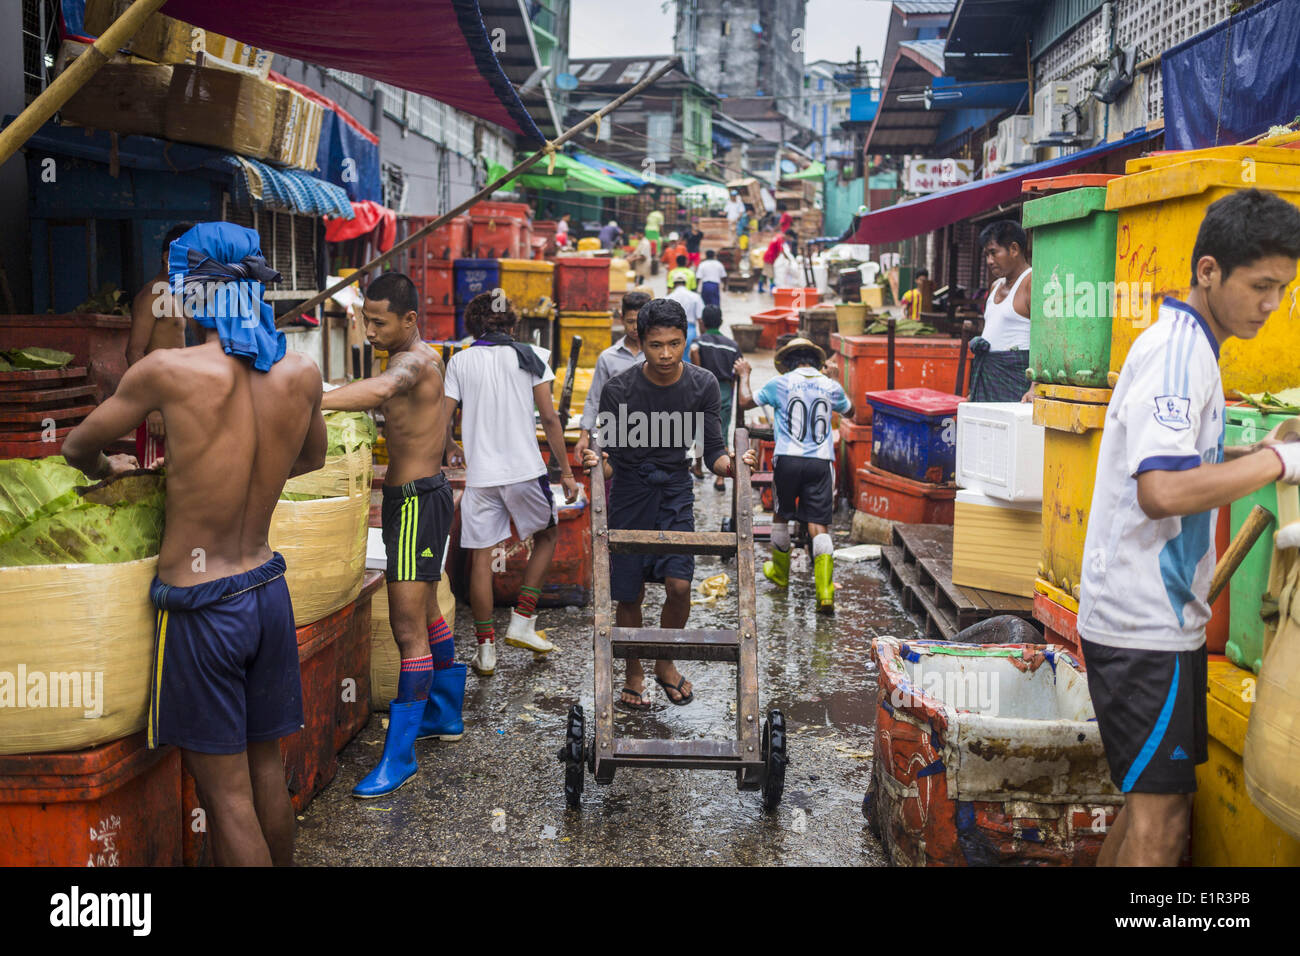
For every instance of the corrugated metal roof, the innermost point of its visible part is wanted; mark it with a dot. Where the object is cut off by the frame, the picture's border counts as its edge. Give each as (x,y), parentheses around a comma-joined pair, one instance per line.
(925,6)
(931,50)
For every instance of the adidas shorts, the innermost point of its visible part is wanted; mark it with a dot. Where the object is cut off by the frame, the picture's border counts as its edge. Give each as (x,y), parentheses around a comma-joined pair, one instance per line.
(416,520)
(487,513)
(1150,708)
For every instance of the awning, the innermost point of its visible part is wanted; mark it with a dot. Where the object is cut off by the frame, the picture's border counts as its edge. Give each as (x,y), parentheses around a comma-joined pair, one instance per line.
(569,176)
(251,182)
(436,47)
(919,216)
(624,174)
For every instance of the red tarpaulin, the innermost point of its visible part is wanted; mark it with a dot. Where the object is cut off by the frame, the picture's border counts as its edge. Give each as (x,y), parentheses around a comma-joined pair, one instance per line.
(436,47)
(365,217)
(919,216)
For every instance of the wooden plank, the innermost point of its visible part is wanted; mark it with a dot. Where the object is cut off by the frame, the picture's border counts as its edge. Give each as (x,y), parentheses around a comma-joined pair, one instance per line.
(671,542)
(36,417)
(602,653)
(44,396)
(25,378)
(675,643)
(748,718)
(940,625)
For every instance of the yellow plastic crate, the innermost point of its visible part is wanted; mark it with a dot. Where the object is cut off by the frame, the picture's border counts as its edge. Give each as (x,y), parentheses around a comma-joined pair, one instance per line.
(1071,443)
(596,329)
(590,244)
(1161,202)
(581,385)
(618,275)
(528,285)
(1227,829)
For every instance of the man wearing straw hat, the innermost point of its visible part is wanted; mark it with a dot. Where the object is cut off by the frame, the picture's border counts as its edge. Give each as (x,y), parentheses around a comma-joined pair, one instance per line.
(803,475)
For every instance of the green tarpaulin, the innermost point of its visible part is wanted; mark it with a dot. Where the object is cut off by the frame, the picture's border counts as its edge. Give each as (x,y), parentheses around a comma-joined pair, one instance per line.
(569,176)
(815,171)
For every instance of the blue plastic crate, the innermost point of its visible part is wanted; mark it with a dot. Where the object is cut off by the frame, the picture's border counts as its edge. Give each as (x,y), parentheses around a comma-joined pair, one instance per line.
(914,433)
(473,276)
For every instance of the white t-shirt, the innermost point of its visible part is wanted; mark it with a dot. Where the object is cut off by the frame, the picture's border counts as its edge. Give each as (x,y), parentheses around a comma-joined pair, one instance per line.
(497,425)
(734,210)
(1144,582)
(711,270)
(690,301)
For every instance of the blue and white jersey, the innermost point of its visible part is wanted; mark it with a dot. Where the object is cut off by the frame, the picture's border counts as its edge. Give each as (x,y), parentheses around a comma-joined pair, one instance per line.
(1144,582)
(803,401)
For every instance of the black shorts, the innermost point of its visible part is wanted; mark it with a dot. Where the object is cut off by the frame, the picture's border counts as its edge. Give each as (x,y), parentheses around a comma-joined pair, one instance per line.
(1150,708)
(803,488)
(416,520)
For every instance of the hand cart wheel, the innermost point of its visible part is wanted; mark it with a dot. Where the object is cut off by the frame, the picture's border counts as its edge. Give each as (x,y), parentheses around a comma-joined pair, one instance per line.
(774,759)
(573,757)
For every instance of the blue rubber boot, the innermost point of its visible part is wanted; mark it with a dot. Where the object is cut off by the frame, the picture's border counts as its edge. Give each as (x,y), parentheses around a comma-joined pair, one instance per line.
(397,765)
(442,712)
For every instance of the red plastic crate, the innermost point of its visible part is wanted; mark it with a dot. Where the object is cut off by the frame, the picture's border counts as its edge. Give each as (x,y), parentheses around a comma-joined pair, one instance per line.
(895,498)
(1059,623)
(438,324)
(437,284)
(581,283)
(118,804)
(772,324)
(857,452)
(493,209)
(496,238)
(449,241)
(919,362)
(795,299)
(97,342)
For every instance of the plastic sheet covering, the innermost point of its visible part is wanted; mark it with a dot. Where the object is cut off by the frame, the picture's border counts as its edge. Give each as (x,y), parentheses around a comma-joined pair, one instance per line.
(1235,80)
(324,548)
(385,660)
(1271,757)
(342,475)
(76,651)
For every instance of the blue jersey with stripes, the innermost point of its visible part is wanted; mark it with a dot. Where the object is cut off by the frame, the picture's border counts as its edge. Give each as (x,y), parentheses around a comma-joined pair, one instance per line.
(803,400)
(1145,582)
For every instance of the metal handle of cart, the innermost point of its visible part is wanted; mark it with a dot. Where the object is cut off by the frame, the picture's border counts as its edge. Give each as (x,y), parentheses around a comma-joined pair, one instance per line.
(757,755)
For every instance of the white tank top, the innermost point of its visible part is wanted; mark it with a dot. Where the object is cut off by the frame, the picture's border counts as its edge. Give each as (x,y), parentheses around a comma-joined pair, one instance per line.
(1004,327)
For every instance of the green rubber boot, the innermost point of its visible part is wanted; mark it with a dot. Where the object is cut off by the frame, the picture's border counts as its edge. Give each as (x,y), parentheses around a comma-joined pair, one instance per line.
(778,569)
(824,576)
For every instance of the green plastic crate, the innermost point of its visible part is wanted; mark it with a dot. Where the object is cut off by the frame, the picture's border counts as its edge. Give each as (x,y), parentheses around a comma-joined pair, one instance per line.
(1245,426)
(1072,294)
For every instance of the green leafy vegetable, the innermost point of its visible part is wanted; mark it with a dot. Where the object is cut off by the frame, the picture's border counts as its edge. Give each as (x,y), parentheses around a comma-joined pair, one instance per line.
(4,365)
(347,431)
(38,358)
(43,520)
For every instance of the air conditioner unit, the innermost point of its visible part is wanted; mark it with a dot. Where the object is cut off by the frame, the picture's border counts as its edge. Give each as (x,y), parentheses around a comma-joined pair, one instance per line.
(1054,117)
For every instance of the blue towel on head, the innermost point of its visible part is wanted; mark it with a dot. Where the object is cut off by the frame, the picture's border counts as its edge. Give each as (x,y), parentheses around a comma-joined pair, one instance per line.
(218,272)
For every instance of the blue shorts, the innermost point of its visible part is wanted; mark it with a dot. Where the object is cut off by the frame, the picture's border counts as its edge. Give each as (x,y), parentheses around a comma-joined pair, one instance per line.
(637,505)
(225,666)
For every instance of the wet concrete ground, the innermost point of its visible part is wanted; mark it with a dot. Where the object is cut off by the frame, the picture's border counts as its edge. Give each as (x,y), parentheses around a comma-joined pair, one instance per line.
(496,796)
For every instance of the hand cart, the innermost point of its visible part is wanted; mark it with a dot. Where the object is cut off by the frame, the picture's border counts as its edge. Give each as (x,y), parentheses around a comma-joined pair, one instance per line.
(757,758)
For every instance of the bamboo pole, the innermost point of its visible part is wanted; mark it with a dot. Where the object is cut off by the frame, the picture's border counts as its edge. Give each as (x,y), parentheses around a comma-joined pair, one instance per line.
(483,193)
(74,77)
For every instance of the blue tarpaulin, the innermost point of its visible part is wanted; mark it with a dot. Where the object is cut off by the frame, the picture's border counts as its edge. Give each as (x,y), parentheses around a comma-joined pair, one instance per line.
(348,159)
(1235,80)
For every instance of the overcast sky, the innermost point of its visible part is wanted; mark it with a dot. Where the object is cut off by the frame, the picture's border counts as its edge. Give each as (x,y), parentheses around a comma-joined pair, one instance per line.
(834,28)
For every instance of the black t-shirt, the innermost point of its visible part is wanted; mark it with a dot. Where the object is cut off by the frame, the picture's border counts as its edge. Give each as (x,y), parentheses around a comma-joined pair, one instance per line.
(693,240)
(718,355)
(640,422)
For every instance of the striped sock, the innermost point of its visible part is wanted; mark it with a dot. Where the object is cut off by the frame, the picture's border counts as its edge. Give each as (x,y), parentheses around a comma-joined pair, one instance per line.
(484,631)
(414,681)
(441,645)
(528,601)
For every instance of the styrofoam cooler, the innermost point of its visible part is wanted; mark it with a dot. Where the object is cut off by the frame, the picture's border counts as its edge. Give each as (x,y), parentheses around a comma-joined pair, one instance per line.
(1000,450)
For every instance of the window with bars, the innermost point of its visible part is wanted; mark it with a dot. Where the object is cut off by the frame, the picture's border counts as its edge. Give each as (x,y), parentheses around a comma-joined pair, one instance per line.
(393,101)
(40,44)
(393,182)
(353,81)
(289,242)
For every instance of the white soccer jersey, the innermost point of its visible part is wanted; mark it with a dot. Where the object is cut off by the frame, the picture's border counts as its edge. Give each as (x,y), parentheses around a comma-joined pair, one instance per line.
(1144,582)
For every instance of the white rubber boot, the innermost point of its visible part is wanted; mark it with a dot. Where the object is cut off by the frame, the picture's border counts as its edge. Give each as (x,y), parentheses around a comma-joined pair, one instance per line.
(484,661)
(521,634)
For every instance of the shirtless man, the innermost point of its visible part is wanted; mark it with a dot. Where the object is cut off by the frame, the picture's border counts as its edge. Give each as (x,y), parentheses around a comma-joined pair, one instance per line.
(417,513)
(157,322)
(225,684)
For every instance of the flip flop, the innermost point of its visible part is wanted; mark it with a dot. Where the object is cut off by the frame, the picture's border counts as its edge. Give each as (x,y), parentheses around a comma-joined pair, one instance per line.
(621,704)
(682,699)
